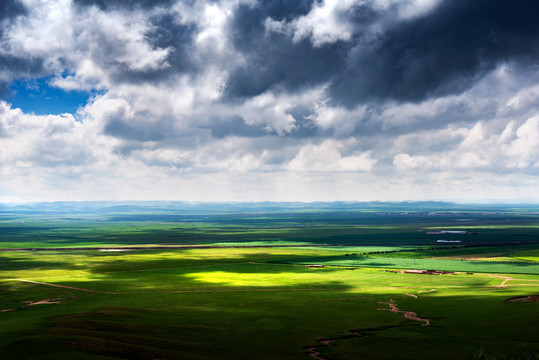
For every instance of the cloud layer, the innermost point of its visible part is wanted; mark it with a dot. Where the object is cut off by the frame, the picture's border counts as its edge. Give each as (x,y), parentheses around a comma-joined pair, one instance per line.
(273,100)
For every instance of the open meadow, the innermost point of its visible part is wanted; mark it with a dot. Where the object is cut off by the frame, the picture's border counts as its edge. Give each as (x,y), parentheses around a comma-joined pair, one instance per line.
(269,284)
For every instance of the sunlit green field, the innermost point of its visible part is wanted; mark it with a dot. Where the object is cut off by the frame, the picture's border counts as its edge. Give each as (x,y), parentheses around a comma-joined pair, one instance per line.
(266,302)
(527,266)
(233,304)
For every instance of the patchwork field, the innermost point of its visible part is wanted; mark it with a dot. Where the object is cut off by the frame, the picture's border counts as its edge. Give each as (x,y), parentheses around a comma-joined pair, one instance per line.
(113,302)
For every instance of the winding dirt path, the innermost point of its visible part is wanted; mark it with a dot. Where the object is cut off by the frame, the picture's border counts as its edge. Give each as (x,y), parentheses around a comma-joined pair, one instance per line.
(507,278)
(66,287)
(44,302)
(314,353)
(40,302)
(328,342)
(504,278)
(407,314)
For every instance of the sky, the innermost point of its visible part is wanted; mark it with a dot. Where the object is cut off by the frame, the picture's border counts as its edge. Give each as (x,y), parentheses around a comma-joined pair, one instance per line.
(255,100)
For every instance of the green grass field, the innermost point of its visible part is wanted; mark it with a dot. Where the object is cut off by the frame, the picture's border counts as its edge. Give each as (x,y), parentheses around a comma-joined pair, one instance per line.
(264,303)
(425,264)
(348,228)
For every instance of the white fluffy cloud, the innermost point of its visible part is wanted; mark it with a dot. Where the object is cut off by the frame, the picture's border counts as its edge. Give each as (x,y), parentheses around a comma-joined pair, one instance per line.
(328,157)
(163,126)
(482,150)
(330,21)
(325,23)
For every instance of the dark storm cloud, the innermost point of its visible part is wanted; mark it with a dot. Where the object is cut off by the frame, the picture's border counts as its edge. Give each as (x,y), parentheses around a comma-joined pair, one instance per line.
(11,8)
(168,33)
(275,9)
(274,59)
(276,62)
(125,4)
(443,52)
(234,126)
(17,68)
(135,127)
(305,127)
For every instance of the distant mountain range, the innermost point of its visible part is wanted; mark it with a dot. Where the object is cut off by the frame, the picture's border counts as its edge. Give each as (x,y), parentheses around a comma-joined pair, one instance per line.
(179,207)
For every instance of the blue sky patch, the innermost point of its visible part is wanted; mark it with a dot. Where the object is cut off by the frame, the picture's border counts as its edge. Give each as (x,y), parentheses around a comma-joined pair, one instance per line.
(38,97)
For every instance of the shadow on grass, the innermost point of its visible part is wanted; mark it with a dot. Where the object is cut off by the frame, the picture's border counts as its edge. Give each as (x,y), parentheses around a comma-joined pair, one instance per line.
(166,262)
(273,326)
(14,230)
(14,263)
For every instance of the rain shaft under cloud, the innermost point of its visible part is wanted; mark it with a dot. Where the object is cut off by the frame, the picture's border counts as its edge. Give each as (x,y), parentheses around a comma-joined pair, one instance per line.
(271,100)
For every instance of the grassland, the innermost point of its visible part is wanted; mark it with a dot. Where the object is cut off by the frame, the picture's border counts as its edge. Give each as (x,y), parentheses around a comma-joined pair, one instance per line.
(426,264)
(265,303)
(74,227)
